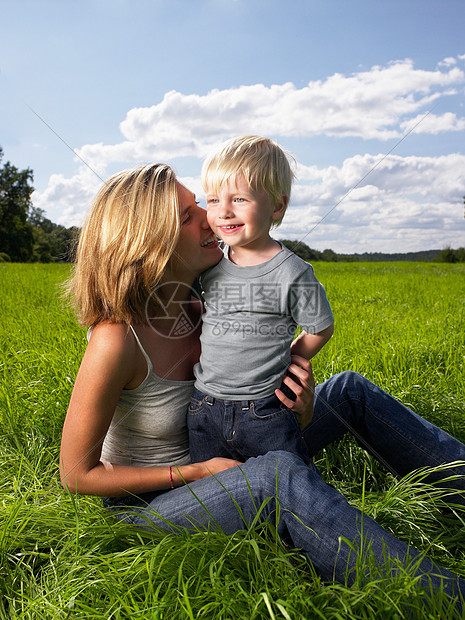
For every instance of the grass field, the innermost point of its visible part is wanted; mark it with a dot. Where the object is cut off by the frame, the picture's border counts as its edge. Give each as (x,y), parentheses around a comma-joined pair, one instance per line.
(400,324)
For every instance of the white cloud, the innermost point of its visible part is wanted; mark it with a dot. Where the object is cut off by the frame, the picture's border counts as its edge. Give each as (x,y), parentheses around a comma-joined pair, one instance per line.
(404,203)
(433,124)
(381,103)
(374,104)
(448,62)
(72,195)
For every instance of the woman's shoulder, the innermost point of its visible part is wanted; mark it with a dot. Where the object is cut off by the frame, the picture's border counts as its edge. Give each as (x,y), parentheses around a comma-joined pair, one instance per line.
(112,338)
(110,358)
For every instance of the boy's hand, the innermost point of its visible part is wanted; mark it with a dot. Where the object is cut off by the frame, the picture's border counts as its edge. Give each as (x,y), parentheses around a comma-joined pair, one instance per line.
(301,381)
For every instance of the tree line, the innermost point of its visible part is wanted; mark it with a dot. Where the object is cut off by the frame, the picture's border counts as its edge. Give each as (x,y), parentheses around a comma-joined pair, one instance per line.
(446,255)
(26,235)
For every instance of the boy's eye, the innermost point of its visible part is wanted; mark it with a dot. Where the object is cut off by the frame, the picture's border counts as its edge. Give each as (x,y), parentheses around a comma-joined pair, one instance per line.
(239,199)
(212,201)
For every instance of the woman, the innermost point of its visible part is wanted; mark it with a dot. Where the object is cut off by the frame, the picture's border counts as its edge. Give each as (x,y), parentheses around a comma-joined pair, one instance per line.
(143,244)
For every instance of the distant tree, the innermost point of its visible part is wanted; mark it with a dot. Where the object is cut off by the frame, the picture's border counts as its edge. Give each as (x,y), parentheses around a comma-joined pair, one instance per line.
(302,250)
(329,255)
(42,251)
(460,254)
(52,242)
(447,255)
(16,233)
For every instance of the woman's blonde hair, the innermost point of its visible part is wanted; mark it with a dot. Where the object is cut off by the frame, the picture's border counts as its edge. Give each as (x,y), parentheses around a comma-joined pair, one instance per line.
(263,163)
(129,236)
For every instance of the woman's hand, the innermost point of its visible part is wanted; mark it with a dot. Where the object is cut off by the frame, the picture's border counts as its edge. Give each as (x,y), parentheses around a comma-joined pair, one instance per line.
(215,465)
(301,381)
(196,471)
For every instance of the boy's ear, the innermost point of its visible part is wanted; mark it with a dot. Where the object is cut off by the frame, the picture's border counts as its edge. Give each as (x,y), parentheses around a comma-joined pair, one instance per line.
(280,208)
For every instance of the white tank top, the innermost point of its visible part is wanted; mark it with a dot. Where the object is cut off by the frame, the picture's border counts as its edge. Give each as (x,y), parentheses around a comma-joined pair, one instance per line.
(149,426)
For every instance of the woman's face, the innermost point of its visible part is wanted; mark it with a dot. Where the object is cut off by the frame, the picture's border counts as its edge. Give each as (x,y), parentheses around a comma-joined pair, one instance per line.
(197,248)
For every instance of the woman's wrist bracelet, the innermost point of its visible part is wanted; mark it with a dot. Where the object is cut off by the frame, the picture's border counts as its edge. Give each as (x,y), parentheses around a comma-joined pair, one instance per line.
(171,477)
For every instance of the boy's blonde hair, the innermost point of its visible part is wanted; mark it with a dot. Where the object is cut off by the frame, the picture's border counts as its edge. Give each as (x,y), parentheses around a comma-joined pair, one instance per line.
(263,163)
(129,236)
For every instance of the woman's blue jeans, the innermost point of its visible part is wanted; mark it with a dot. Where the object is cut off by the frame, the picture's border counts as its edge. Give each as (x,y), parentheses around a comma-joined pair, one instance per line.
(312,515)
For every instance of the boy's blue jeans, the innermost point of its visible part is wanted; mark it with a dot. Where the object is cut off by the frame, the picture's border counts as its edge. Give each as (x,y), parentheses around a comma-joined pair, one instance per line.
(241,429)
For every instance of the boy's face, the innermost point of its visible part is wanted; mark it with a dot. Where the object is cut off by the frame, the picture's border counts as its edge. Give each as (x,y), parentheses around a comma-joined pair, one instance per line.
(239,215)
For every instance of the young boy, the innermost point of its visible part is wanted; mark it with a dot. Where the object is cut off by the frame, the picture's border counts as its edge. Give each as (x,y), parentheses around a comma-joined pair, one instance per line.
(254,299)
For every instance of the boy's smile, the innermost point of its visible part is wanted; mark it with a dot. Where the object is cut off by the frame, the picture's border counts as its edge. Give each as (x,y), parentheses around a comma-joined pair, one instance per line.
(242,217)
(229,229)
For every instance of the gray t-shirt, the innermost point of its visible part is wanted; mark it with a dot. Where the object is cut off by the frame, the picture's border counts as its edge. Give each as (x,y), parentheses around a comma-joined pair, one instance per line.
(251,314)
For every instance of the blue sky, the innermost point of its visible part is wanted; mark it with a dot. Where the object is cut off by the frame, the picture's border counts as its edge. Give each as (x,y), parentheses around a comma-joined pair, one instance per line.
(337,82)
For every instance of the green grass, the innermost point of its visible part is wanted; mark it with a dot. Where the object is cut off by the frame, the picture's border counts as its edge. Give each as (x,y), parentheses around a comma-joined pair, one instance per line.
(400,324)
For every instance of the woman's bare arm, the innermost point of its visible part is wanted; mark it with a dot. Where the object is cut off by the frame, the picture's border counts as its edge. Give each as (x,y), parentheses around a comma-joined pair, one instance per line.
(109,365)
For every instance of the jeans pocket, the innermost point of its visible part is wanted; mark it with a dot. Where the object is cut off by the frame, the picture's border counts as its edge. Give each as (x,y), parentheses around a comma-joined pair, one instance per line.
(195,406)
(268,408)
